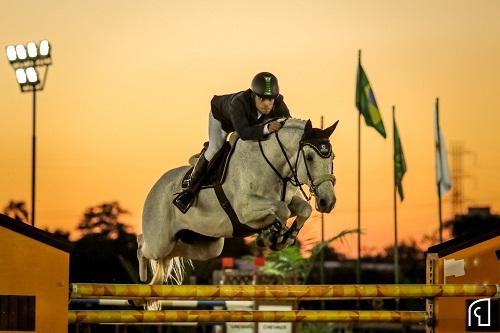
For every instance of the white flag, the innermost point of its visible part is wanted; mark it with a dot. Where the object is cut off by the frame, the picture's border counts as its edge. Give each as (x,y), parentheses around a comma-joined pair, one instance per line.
(442,171)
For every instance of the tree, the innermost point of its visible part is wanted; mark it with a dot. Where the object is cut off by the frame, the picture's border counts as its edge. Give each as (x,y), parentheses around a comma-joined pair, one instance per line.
(59,233)
(411,259)
(104,219)
(17,210)
(476,219)
(106,252)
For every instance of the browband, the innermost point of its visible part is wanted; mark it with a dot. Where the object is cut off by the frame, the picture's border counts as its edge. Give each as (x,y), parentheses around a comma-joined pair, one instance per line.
(322,147)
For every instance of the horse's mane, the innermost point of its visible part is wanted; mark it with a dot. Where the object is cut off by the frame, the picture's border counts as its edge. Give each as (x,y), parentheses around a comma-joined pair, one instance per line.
(295,123)
(291,124)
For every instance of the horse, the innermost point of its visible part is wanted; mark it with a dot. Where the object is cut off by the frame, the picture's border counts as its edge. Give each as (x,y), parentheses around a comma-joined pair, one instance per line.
(255,185)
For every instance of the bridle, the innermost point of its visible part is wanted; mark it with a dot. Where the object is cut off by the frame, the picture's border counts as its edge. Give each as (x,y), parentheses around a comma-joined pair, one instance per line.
(324,150)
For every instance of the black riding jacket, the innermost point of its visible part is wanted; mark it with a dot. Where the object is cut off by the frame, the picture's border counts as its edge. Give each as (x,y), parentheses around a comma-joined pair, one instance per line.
(237,112)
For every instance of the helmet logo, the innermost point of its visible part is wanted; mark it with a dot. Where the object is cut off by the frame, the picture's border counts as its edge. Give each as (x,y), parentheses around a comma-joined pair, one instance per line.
(267,86)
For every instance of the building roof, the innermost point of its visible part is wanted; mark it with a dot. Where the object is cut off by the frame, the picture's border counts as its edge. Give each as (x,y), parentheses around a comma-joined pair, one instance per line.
(465,241)
(35,233)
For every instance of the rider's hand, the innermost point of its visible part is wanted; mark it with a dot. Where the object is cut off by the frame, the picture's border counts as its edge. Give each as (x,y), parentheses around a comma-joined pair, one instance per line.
(273,126)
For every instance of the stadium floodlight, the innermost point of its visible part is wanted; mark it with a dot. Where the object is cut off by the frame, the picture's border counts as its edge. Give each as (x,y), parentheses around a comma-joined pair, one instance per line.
(32,50)
(21,51)
(32,75)
(11,53)
(26,60)
(21,76)
(44,48)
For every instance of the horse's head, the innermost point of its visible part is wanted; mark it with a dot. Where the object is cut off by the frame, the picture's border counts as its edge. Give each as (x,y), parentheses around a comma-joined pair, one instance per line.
(315,165)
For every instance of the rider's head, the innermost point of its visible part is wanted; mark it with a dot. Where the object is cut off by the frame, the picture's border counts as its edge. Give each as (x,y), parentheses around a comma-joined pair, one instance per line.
(265,89)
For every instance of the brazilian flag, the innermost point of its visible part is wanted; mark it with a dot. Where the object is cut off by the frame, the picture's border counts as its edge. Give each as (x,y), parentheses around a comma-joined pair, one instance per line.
(366,103)
(399,162)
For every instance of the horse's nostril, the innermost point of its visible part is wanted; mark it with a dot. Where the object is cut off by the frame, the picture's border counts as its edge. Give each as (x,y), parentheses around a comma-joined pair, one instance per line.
(322,202)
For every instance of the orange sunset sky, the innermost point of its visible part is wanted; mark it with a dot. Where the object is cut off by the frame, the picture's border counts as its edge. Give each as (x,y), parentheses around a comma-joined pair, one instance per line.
(127,98)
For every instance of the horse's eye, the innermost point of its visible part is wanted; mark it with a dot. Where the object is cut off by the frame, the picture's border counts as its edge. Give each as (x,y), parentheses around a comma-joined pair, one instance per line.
(309,158)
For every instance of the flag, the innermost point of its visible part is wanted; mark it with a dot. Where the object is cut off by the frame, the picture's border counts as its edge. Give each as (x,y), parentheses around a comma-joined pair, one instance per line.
(399,161)
(443,180)
(366,103)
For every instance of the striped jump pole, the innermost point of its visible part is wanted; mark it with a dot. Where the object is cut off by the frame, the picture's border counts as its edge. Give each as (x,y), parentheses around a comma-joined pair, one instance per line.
(280,292)
(164,303)
(132,316)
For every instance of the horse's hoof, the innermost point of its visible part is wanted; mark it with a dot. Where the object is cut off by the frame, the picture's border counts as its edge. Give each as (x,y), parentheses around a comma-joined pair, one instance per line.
(278,246)
(260,242)
(273,239)
(137,303)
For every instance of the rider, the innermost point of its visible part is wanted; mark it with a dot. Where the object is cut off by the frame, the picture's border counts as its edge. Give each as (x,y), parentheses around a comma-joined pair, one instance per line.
(245,112)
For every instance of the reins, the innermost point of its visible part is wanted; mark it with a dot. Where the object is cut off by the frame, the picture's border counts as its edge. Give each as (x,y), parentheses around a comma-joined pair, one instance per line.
(293,179)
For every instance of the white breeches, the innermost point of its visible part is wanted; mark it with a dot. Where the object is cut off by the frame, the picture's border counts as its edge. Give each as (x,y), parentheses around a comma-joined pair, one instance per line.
(216,137)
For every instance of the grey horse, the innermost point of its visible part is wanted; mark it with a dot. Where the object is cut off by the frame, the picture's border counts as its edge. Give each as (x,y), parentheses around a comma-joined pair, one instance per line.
(296,154)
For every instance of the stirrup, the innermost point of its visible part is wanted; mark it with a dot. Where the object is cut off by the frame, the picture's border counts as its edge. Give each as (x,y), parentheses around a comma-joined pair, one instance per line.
(184,200)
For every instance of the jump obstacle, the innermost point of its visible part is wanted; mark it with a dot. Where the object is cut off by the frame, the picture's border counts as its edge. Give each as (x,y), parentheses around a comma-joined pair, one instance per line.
(281,292)
(131,316)
(265,292)
(472,259)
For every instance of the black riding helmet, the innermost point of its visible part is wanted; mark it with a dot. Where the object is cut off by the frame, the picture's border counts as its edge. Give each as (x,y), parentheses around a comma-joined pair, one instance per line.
(265,85)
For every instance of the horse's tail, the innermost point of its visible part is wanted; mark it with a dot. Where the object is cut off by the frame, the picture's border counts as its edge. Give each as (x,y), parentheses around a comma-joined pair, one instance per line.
(164,271)
(168,270)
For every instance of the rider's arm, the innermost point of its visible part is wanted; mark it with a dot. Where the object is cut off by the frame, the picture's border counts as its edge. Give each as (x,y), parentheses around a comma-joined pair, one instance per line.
(266,129)
(241,125)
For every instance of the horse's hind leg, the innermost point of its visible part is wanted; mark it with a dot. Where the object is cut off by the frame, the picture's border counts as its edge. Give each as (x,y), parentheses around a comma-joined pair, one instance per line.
(143,261)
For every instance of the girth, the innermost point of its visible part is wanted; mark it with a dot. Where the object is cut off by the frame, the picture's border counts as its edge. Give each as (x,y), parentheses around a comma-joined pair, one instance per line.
(239,229)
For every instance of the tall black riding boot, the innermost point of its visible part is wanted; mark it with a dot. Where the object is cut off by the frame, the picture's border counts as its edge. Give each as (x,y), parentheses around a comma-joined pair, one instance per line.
(185,199)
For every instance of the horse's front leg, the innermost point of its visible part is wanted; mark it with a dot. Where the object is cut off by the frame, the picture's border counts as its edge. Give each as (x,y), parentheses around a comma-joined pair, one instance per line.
(264,213)
(261,212)
(300,208)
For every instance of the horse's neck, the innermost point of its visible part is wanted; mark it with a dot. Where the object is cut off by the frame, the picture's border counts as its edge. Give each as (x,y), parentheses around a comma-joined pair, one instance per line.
(290,143)
(289,138)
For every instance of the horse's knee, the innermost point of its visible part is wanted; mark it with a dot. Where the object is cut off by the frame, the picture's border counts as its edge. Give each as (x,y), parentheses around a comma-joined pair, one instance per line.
(282,211)
(306,211)
(302,208)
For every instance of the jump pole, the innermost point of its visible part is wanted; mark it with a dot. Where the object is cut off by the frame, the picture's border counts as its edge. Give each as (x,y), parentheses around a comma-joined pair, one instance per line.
(280,292)
(132,316)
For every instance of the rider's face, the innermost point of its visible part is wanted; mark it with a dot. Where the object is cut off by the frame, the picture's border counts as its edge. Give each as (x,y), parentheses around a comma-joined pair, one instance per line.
(264,105)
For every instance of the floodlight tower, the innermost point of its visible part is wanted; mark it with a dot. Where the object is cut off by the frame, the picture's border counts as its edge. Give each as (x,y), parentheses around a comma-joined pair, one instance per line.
(26,60)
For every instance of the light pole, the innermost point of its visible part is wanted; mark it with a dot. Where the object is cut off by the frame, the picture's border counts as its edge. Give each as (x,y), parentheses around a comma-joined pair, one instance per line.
(25,60)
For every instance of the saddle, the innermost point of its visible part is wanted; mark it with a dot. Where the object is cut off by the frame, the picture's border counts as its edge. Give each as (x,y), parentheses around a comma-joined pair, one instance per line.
(216,173)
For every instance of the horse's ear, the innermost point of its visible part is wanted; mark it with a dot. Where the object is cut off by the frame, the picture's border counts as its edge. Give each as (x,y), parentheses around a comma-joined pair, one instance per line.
(308,128)
(328,131)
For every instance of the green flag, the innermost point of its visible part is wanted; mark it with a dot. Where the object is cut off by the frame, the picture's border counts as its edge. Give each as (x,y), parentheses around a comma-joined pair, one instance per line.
(366,103)
(399,162)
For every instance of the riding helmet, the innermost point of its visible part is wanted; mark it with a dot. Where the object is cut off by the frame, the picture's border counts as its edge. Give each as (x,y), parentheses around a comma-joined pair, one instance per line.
(265,85)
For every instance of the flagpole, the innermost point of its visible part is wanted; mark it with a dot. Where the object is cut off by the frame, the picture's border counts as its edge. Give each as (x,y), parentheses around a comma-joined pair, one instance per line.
(358,262)
(396,247)
(438,147)
(322,254)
